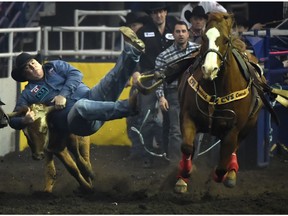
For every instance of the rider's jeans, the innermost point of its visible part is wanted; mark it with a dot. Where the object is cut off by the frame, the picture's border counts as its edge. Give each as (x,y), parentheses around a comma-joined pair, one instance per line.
(89,114)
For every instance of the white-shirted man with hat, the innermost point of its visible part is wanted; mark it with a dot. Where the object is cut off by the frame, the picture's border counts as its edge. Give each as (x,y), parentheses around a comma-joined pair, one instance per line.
(208,6)
(198,18)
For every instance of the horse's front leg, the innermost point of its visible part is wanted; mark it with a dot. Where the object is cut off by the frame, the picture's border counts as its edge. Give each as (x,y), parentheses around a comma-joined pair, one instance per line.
(188,130)
(227,168)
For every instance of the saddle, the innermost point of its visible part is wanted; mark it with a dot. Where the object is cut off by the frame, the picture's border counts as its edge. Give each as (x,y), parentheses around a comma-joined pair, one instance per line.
(253,71)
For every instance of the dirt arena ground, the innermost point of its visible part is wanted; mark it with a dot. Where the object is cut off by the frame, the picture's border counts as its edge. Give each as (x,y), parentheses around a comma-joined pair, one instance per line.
(123,187)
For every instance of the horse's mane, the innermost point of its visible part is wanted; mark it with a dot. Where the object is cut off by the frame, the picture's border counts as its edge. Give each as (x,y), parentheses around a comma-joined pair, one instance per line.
(238,43)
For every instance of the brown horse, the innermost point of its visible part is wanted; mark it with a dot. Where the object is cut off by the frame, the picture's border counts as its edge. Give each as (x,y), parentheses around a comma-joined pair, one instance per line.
(217,96)
(221,92)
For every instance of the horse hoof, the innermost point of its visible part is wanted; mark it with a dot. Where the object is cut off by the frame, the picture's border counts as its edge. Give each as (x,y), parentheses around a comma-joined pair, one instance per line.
(230,180)
(181,186)
(219,175)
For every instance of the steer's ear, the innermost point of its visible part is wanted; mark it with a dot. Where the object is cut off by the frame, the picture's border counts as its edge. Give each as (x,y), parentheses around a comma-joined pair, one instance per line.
(1,103)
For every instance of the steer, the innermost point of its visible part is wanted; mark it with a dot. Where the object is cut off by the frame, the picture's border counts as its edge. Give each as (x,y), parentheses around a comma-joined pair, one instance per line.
(3,116)
(45,142)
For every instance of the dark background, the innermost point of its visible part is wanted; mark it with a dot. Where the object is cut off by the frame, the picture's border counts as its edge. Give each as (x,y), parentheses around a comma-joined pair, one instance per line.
(257,11)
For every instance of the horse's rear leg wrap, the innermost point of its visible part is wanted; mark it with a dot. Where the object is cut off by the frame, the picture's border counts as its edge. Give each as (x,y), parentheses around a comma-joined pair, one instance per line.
(233,164)
(220,174)
(185,166)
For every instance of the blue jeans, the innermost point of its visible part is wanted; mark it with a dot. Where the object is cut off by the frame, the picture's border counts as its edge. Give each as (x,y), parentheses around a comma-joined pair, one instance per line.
(88,115)
(175,137)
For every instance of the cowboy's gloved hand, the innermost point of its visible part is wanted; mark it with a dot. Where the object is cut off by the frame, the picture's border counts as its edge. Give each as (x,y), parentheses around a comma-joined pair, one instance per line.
(60,102)
(135,77)
(29,117)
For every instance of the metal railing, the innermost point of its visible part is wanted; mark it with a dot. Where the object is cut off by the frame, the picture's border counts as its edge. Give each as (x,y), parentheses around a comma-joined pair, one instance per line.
(102,50)
(108,41)
(80,15)
(11,39)
(42,38)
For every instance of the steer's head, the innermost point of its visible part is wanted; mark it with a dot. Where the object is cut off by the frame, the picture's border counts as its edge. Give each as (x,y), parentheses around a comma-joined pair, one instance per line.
(37,133)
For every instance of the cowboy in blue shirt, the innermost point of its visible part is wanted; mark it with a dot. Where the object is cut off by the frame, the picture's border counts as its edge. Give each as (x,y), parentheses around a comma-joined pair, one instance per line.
(80,110)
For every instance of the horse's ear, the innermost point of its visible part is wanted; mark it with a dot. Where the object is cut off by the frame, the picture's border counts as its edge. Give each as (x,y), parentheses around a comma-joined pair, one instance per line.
(208,16)
(233,19)
(227,16)
(230,18)
(232,15)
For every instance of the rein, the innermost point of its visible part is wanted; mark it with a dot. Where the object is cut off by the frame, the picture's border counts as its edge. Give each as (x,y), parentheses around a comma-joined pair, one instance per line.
(201,58)
(222,58)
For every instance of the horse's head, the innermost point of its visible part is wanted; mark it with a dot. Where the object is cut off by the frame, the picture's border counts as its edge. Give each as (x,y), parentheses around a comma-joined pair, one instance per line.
(216,40)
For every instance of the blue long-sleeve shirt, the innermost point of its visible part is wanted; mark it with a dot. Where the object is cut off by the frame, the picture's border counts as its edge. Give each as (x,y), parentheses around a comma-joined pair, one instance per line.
(60,79)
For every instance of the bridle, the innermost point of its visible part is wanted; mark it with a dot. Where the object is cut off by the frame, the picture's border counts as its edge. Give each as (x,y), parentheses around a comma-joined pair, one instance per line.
(223,58)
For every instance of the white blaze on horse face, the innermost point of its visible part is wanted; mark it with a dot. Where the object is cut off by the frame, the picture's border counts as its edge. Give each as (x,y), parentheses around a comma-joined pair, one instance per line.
(210,67)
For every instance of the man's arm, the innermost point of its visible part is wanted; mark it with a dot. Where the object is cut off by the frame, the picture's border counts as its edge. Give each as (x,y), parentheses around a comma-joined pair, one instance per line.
(163,103)
(26,116)
(73,78)
(72,75)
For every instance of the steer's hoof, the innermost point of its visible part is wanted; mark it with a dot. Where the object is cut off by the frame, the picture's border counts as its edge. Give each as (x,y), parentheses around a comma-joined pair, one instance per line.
(181,186)
(83,191)
(230,180)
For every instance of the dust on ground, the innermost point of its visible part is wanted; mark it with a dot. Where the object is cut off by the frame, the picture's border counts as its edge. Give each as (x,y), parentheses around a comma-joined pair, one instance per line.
(123,186)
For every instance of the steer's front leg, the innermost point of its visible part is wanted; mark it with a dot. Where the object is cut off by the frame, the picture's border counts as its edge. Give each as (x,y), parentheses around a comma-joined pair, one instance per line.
(50,172)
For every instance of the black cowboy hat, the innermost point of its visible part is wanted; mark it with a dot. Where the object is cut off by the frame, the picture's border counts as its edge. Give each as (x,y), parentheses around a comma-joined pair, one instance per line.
(197,11)
(156,6)
(135,17)
(21,61)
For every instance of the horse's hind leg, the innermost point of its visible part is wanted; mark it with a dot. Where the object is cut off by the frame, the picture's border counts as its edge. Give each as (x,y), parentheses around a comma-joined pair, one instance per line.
(228,165)
(187,148)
